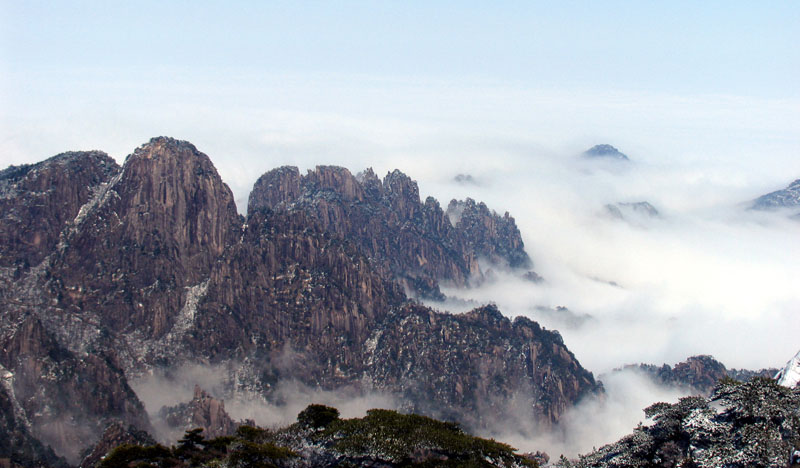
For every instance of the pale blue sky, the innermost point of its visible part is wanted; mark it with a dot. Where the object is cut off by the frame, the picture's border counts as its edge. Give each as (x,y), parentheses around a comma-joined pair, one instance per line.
(355,82)
(255,84)
(727,47)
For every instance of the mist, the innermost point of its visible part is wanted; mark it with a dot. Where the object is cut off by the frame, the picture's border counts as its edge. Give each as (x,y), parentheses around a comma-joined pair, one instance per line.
(172,386)
(595,421)
(707,276)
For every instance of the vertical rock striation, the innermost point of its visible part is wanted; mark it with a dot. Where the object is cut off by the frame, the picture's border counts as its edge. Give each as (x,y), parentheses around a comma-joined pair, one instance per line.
(157,228)
(148,267)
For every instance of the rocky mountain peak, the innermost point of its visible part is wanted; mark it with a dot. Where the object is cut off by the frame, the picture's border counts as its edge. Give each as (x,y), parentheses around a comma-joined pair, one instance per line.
(338,180)
(407,241)
(784,198)
(605,151)
(632,211)
(699,374)
(402,193)
(154,230)
(169,182)
(273,187)
(490,236)
(372,183)
(38,200)
(202,411)
(162,146)
(401,185)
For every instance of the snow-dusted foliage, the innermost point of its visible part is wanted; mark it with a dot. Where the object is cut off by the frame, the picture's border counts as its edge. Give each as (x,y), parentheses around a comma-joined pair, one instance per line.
(750,424)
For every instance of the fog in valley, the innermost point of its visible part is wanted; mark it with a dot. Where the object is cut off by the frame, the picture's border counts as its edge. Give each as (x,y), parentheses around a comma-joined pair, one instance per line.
(704,276)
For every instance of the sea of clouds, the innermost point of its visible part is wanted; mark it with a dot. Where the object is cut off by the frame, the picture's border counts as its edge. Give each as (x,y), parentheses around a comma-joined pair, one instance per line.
(707,276)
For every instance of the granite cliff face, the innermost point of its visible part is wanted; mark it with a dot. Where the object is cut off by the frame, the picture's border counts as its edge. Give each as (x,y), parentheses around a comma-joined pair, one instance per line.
(36,202)
(488,235)
(157,228)
(148,268)
(54,373)
(479,367)
(414,243)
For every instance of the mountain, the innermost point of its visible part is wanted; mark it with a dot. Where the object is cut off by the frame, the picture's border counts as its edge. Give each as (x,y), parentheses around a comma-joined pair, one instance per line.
(415,244)
(605,151)
(487,234)
(66,387)
(698,374)
(785,198)
(37,200)
(145,269)
(632,211)
(743,424)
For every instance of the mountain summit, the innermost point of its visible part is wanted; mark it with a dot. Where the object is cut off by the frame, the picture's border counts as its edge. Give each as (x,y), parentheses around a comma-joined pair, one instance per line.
(605,151)
(784,198)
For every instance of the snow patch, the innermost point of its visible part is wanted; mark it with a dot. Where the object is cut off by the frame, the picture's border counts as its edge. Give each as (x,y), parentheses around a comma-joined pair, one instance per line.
(7,382)
(101,194)
(790,375)
(185,318)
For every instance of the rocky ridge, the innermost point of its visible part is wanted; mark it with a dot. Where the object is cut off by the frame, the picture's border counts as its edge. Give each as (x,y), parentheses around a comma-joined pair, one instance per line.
(699,374)
(493,238)
(634,210)
(414,243)
(152,268)
(605,151)
(784,198)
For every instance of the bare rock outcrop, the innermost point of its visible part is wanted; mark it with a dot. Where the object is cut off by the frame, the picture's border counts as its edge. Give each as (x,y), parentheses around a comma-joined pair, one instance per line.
(203,411)
(38,200)
(489,235)
(699,374)
(157,228)
(116,434)
(413,242)
(479,368)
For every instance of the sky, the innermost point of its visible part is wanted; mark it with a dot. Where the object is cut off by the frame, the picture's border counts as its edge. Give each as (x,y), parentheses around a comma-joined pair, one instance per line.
(702,96)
